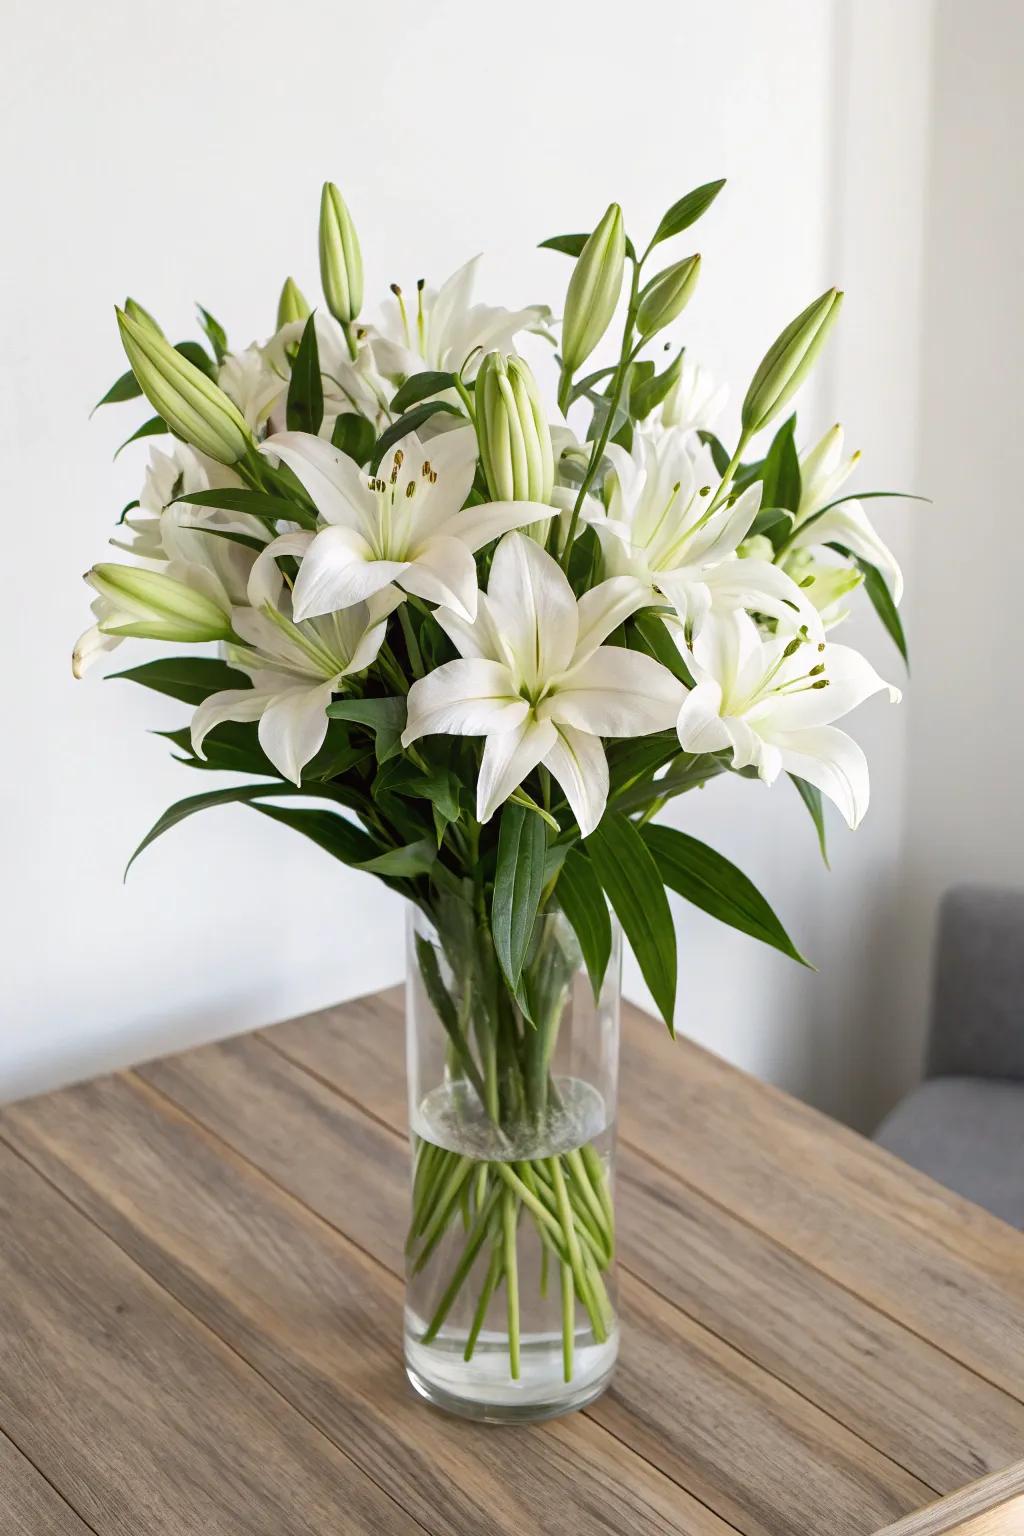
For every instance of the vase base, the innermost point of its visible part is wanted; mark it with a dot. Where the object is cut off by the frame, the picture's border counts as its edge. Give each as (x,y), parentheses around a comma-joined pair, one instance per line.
(492,1397)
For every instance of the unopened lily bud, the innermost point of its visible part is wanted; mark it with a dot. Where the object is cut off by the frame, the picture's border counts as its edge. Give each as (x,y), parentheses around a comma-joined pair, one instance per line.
(788,361)
(341,262)
(594,290)
(292,304)
(142,316)
(190,403)
(153,606)
(514,437)
(667,295)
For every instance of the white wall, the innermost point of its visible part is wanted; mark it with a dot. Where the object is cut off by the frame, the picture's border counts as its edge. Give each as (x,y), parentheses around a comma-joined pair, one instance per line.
(176,153)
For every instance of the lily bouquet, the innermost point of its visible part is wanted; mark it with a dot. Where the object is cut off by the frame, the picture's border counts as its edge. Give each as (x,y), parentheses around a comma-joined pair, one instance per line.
(491,640)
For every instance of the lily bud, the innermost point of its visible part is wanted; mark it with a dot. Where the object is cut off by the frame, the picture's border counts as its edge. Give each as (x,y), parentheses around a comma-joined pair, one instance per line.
(341,262)
(788,361)
(594,290)
(190,403)
(153,606)
(142,316)
(514,437)
(667,295)
(292,304)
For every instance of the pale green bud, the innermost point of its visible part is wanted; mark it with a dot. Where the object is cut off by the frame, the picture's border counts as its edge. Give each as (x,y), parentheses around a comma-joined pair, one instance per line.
(136,312)
(594,290)
(788,361)
(667,295)
(292,304)
(341,262)
(512,429)
(152,606)
(190,403)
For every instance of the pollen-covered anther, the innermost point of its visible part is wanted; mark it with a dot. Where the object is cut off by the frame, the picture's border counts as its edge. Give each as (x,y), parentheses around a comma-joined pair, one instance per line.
(705,490)
(410,490)
(821,683)
(433,477)
(426,471)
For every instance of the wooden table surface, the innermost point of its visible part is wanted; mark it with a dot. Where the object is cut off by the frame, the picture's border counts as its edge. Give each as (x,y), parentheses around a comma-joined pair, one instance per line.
(200,1313)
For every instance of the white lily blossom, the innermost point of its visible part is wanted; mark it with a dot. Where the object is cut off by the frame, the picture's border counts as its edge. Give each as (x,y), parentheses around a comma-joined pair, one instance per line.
(406,524)
(350,386)
(661,525)
(295,668)
(822,471)
(695,402)
(447,331)
(250,379)
(535,679)
(772,700)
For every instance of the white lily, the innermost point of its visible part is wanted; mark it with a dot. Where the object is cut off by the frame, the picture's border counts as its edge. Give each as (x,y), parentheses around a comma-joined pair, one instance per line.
(772,701)
(295,668)
(662,526)
(822,471)
(253,383)
(695,402)
(406,524)
(536,681)
(447,330)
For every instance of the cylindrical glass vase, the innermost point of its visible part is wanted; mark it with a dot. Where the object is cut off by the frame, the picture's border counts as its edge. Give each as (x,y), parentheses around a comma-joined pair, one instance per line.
(510,1275)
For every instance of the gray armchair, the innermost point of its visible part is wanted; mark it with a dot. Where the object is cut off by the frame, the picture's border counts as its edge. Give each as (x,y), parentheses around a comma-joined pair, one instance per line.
(965,1124)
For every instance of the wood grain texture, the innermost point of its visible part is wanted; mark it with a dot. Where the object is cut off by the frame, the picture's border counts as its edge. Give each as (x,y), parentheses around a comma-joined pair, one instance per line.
(993,1506)
(322,1322)
(728,1414)
(135,1412)
(907,1396)
(28,1504)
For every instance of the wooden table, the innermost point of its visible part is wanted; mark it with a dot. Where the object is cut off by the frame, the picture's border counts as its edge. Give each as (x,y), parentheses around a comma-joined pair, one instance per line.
(200,1313)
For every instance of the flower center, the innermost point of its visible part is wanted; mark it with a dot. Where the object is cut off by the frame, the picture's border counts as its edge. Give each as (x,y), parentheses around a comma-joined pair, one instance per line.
(770,685)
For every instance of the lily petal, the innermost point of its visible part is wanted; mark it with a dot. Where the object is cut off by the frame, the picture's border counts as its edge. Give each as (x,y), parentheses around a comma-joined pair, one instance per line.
(577,761)
(700,726)
(293,728)
(337,485)
(463,698)
(337,571)
(480,638)
(763,588)
(616,692)
(851,679)
(849,525)
(534,609)
(443,571)
(477,526)
(604,608)
(241,704)
(507,758)
(831,760)
(265,579)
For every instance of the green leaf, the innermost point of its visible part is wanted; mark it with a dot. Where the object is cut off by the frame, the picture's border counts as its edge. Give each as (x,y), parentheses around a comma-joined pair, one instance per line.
(215,332)
(127,387)
(385,717)
(770,517)
(781,478)
(882,602)
(518,884)
(354,435)
(188,678)
(569,245)
(231,748)
(634,757)
(269,509)
(420,386)
(583,902)
(329,830)
(247,540)
(810,794)
(709,881)
(687,211)
(633,885)
(645,397)
(414,859)
(410,422)
(305,407)
(197,356)
(154,427)
(660,645)
(185,808)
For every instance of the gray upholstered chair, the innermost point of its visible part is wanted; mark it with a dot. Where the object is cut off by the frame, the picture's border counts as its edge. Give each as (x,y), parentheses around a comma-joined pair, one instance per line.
(965,1124)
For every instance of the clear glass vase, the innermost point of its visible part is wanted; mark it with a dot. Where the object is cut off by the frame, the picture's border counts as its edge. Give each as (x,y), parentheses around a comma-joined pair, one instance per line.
(510,1274)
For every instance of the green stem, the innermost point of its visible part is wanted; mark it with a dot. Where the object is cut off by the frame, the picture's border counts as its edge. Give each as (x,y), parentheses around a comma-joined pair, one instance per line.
(509,1215)
(568,1321)
(474,1243)
(447,1197)
(487,1290)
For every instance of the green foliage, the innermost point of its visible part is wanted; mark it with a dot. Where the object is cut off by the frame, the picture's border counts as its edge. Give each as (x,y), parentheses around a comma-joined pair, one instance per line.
(354,435)
(384,717)
(305,405)
(629,875)
(518,883)
(687,211)
(583,902)
(215,333)
(811,796)
(188,678)
(420,386)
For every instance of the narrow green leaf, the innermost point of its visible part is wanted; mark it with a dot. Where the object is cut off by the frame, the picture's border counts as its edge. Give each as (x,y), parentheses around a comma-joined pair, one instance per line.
(810,794)
(414,859)
(420,386)
(882,602)
(197,356)
(354,435)
(154,427)
(127,387)
(410,422)
(269,509)
(385,717)
(518,883)
(661,646)
(185,808)
(304,410)
(633,885)
(583,902)
(781,478)
(569,245)
(188,678)
(215,333)
(770,517)
(711,882)
(330,831)
(247,540)
(687,210)
(231,748)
